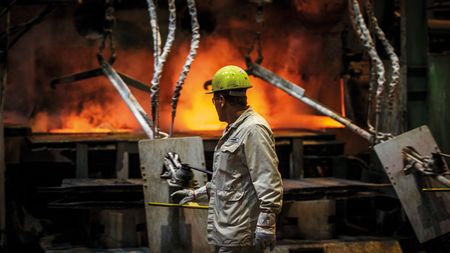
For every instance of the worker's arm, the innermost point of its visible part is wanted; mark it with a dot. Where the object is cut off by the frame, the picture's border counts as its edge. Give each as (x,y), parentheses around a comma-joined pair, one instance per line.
(262,163)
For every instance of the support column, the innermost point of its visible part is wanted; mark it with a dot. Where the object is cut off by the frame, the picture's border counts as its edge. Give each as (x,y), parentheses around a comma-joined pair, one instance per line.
(414,58)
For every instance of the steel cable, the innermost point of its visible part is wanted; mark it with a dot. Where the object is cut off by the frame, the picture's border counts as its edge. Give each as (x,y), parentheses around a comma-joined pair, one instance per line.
(377,67)
(395,64)
(190,58)
(159,58)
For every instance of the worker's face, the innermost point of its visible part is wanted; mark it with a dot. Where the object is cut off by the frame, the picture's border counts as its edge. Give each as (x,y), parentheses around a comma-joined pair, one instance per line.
(219,102)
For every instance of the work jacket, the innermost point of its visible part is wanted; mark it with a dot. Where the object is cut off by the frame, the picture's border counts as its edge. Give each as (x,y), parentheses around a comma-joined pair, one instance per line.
(245,181)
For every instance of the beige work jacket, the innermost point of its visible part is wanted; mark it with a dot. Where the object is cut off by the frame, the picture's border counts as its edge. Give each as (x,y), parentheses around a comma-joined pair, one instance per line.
(245,181)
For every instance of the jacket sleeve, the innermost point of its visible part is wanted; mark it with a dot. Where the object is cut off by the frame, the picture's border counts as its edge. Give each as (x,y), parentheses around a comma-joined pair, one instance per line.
(262,163)
(202,193)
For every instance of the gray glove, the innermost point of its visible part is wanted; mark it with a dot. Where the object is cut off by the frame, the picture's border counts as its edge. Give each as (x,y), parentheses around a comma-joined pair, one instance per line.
(186,195)
(189,195)
(265,231)
(264,240)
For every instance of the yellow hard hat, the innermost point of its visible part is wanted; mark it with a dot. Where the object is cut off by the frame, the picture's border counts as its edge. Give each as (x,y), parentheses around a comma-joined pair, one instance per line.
(230,78)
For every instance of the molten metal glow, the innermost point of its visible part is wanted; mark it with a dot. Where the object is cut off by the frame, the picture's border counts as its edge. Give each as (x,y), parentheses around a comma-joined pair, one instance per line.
(103,110)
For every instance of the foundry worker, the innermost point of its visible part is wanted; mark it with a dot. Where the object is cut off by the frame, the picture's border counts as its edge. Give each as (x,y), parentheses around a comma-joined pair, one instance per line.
(245,192)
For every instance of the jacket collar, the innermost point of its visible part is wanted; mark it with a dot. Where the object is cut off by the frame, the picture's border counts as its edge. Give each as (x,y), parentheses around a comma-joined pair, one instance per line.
(240,119)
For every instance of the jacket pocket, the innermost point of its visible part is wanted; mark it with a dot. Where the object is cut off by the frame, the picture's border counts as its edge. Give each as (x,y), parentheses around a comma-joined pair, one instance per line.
(229,147)
(230,195)
(231,211)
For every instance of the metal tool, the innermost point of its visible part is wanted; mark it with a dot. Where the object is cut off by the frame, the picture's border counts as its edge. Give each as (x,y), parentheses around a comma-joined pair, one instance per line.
(429,165)
(129,99)
(116,78)
(130,81)
(177,173)
(107,38)
(197,169)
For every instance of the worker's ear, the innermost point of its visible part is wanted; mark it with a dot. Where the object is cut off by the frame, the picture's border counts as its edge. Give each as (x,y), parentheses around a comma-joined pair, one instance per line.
(222,101)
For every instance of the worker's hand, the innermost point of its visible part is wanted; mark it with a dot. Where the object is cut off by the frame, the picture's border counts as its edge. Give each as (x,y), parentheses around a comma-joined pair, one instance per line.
(265,231)
(264,239)
(186,195)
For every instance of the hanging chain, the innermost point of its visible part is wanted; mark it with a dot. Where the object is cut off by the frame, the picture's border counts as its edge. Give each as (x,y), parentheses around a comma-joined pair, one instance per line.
(107,34)
(259,19)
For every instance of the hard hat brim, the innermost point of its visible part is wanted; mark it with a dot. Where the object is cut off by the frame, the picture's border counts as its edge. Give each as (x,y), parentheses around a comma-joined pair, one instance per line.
(231,90)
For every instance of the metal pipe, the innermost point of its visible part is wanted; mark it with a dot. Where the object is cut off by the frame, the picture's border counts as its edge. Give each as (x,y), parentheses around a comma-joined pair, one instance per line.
(298,92)
(129,99)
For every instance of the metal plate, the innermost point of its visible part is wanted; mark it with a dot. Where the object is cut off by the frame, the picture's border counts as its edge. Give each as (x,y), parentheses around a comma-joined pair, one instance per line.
(428,212)
(172,229)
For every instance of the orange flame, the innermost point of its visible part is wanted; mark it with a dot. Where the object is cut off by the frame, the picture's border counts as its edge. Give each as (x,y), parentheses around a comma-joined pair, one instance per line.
(196,111)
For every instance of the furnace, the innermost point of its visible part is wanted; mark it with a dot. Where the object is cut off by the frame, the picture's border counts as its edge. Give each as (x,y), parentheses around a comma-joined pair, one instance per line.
(103,115)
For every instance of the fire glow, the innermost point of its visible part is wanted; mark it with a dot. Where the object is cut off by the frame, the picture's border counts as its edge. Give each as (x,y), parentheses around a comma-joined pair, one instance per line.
(307,57)
(195,110)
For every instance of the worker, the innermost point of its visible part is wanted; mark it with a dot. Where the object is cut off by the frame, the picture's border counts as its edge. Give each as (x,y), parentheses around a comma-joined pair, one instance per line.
(245,192)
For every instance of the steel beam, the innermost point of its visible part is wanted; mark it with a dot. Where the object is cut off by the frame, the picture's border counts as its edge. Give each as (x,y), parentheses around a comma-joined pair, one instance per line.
(298,93)
(129,99)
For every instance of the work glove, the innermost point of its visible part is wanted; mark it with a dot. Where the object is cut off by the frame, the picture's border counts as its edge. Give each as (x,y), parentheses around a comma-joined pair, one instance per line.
(190,195)
(265,232)
(186,195)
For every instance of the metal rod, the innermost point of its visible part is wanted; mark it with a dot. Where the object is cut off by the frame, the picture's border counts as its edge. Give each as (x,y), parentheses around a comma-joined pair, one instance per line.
(76,77)
(198,169)
(191,205)
(130,81)
(447,189)
(297,92)
(129,99)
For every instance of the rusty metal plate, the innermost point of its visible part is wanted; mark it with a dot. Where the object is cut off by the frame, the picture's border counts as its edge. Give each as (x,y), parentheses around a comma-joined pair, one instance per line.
(428,212)
(172,229)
